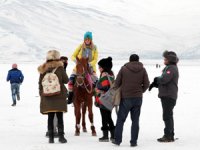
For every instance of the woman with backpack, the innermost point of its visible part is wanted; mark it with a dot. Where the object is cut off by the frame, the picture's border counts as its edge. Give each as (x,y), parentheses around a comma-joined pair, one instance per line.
(103,85)
(53,100)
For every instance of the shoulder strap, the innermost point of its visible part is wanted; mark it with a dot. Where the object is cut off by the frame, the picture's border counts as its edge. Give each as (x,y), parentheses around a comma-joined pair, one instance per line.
(54,70)
(109,79)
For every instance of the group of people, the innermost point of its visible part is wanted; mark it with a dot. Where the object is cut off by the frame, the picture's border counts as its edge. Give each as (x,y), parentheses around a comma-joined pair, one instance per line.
(133,80)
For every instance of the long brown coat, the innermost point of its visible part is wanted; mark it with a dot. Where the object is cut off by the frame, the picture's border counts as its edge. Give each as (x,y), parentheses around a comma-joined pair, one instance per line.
(55,103)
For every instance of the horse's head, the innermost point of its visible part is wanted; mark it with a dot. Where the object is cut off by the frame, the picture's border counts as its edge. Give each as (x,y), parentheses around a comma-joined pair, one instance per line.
(81,69)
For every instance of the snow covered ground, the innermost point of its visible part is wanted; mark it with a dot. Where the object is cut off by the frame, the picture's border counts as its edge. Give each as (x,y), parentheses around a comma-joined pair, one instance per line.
(23,127)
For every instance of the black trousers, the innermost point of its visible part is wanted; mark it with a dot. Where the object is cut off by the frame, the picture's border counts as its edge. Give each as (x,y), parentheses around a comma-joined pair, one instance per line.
(60,121)
(168,106)
(107,122)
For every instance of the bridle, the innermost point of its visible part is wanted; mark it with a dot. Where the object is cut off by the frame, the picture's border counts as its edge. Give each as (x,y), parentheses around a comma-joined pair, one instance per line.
(82,77)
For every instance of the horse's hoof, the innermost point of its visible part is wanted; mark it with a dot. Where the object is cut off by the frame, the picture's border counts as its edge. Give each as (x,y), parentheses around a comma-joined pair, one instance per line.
(84,130)
(77,134)
(94,134)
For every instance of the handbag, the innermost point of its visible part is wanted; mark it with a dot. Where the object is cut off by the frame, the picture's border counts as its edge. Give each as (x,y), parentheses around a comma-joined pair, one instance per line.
(112,97)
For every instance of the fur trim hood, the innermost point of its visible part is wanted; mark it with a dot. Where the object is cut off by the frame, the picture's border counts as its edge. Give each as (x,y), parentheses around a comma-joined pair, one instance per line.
(171,56)
(49,66)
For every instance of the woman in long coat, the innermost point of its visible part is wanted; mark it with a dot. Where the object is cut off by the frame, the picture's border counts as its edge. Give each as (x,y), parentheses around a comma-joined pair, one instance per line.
(55,104)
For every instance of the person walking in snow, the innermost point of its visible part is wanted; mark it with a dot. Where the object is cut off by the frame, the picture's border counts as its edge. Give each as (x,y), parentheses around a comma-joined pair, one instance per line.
(87,50)
(103,85)
(167,85)
(134,81)
(16,78)
(55,104)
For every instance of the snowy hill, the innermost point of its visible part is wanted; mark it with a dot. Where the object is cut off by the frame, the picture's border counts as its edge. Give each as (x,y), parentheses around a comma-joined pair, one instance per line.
(28,28)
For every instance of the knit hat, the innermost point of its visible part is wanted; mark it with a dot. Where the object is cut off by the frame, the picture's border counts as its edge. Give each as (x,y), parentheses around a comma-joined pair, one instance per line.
(53,55)
(170,56)
(14,66)
(88,35)
(134,57)
(64,58)
(106,63)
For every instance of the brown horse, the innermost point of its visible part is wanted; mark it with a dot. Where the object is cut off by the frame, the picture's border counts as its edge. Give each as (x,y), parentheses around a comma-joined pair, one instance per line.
(83,92)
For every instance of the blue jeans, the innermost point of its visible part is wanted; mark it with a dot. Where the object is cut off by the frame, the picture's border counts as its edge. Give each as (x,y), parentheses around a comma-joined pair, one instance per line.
(133,106)
(15,91)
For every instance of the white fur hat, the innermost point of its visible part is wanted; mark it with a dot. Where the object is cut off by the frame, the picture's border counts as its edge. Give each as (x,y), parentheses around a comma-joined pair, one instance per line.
(53,55)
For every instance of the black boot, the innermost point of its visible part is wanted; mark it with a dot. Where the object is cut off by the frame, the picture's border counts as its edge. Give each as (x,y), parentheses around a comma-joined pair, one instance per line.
(70,97)
(166,139)
(61,137)
(104,138)
(112,133)
(18,97)
(51,136)
(14,104)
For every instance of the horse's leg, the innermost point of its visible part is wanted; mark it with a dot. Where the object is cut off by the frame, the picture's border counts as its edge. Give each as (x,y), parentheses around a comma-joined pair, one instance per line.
(90,114)
(83,116)
(78,117)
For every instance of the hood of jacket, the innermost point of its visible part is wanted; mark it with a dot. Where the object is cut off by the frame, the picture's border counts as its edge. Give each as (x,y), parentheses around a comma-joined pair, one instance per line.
(49,66)
(134,66)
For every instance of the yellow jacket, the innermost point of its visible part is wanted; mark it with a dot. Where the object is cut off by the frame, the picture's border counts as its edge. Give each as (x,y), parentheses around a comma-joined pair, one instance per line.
(78,53)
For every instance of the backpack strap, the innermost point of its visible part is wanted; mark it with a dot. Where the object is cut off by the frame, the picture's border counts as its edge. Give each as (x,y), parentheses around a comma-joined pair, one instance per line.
(54,70)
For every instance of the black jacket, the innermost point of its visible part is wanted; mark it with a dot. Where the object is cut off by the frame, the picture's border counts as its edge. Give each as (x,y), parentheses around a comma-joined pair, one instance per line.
(168,82)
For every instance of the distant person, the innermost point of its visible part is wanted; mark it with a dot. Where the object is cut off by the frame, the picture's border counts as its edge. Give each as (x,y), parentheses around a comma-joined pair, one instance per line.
(54,103)
(85,50)
(103,85)
(167,85)
(157,65)
(16,78)
(134,81)
(64,59)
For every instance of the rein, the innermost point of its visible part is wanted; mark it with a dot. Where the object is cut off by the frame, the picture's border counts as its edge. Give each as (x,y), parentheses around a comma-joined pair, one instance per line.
(82,77)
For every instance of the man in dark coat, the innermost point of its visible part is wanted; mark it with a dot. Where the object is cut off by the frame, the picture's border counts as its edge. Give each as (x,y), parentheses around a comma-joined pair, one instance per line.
(16,78)
(167,85)
(134,81)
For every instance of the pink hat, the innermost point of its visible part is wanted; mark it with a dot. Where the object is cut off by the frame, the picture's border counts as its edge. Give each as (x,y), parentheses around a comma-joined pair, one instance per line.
(14,66)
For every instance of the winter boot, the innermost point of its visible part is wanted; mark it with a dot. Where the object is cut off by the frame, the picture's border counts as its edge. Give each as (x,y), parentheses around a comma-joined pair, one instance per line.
(114,142)
(61,137)
(51,136)
(166,139)
(18,97)
(112,133)
(14,104)
(104,138)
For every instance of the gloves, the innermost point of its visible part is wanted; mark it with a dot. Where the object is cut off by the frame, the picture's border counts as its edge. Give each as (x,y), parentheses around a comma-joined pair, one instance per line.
(154,84)
(96,104)
(155,80)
